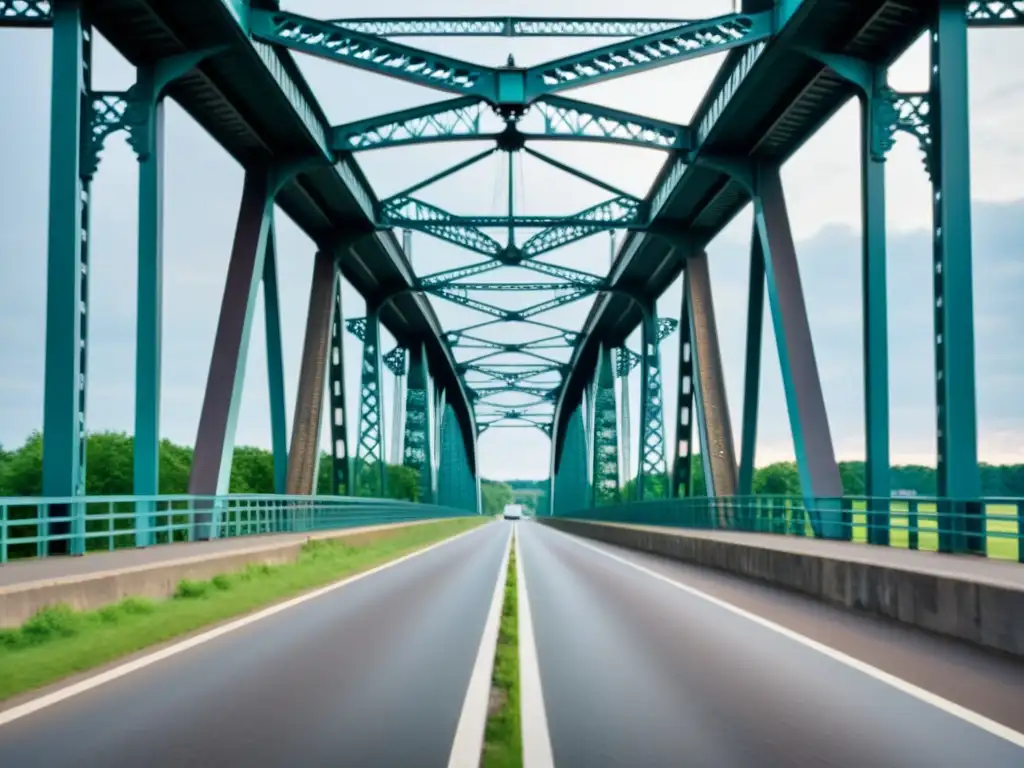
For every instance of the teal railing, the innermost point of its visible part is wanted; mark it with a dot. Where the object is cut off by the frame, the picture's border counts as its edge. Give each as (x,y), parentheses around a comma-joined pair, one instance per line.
(37,527)
(993,527)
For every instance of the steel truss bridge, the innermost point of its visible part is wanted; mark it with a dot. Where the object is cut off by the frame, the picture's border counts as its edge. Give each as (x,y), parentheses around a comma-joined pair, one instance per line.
(790,65)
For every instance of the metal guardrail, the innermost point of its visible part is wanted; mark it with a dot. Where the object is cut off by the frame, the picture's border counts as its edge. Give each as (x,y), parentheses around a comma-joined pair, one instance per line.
(992,527)
(37,527)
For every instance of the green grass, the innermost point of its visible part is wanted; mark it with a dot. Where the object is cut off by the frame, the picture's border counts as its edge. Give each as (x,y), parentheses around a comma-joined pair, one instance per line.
(503,740)
(58,641)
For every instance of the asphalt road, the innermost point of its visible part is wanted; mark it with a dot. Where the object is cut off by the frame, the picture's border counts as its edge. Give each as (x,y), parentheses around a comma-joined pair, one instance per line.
(373,674)
(636,672)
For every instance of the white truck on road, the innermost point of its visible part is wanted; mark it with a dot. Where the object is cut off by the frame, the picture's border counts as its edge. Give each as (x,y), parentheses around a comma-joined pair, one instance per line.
(513,511)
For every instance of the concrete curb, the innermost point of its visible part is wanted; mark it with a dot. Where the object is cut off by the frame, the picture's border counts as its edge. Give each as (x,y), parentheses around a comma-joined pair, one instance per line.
(982,613)
(158,580)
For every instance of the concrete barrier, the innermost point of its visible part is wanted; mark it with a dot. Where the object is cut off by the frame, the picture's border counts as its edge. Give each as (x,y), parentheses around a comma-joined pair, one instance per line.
(158,580)
(982,612)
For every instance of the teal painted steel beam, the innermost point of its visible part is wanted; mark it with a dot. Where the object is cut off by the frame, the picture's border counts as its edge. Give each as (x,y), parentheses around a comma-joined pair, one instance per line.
(682,43)
(506,26)
(211,464)
(752,365)
(452,120)
(619,213)
(995,13)
(812,439)
(411,213)
(457,487)
(149,314)
(374,54)
(419,421)
(681,485)
(461,119)
(67,282)
(874,291)
(606,434)
(370,449)
(956,400)
(275,364)
(652,468)
(26,13)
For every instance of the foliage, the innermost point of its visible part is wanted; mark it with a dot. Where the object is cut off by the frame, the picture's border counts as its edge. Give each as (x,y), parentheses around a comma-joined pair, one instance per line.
(109,469)
(503,742)
(495,496)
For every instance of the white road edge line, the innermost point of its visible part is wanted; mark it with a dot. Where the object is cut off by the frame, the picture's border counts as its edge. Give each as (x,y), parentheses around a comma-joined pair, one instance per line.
(55,697)
(533,717)
(969,716)
(468,743)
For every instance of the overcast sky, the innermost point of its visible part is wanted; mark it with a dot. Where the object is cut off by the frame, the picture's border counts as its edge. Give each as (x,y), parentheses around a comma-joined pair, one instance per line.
(822,185)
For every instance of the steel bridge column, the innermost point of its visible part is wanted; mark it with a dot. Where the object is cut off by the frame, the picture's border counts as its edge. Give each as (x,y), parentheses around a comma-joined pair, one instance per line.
(812,439)
(319,351)
(370,448)
(624,425)
(341,461)
(606,438)
(717,446)
(958,475)
(875,318)
(652,412)
(149,320)
(418,422)
(275,364)
(752,366)
(67,281)
(211,463)
(682,461)
(456,485)
(570,479)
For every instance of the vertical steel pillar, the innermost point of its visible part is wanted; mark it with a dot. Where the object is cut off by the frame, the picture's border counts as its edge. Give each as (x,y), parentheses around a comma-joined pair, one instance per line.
(958,475)
(211,463)
(570,485)
(652,470)
(875,316)
(396,361)
(341,462)
(318,353)
(456,485)
(149,313)
(606,438)
(275,364)
(812,439)
(67,281)
(625,427)
(370,448)
(752,366)
(682,461)
(717,447)
(418,422)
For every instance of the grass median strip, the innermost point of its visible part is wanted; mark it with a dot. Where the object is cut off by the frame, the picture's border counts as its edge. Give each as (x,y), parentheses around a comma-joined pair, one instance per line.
(58,641)
(503,740)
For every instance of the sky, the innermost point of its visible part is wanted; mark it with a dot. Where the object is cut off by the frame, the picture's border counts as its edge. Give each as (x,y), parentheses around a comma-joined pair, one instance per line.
(203,187)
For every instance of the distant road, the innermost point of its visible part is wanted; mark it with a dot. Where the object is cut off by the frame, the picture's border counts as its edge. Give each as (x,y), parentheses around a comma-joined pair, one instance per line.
(637,672)
(373,674)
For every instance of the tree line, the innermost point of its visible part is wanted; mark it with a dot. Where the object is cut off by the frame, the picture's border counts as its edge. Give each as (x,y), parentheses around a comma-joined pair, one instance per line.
(110,470)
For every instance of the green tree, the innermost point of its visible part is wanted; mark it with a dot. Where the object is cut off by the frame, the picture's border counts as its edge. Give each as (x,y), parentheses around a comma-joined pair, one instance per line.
(495,495)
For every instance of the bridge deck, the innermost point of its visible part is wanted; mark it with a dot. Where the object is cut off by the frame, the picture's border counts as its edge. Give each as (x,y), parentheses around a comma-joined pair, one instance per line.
(1003,573)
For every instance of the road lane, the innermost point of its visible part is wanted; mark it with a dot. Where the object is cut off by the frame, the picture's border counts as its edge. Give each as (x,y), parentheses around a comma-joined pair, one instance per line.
(372,674)
(638,673)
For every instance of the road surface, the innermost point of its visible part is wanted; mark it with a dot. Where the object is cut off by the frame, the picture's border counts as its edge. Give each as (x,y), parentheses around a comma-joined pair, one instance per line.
(373,674)
(634,671)
(637,672)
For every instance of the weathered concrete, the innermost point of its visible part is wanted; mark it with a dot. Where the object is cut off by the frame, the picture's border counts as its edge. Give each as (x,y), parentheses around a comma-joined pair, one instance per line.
(20,600)
(918,589)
